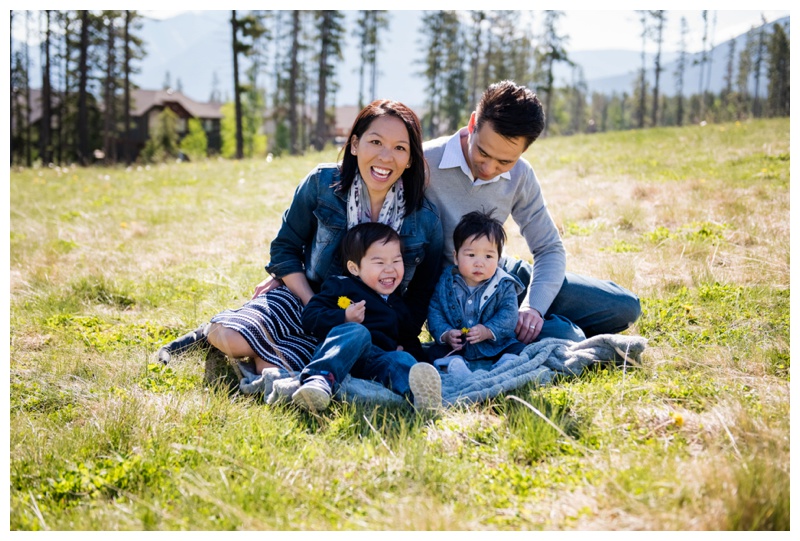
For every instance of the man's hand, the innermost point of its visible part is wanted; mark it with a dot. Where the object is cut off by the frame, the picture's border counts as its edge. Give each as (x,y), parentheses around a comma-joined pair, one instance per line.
(268,284)
(453,339)
(479,333)
(355,312)
(529,325)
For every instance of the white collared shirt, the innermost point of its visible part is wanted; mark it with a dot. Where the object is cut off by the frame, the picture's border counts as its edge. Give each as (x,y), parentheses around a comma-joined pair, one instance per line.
(453,156)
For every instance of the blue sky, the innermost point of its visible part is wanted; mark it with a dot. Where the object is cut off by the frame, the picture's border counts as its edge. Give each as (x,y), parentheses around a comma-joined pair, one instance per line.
(619,28)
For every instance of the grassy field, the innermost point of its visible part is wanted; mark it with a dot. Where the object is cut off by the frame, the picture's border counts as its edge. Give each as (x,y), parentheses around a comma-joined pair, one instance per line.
(107,264)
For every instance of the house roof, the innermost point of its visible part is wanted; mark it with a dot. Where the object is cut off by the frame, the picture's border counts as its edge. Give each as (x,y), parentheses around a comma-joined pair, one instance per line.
(141,102)
(144,100)
(36,103)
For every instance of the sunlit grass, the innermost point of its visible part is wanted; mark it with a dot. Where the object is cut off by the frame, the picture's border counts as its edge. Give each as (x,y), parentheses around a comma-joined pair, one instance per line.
(108,263)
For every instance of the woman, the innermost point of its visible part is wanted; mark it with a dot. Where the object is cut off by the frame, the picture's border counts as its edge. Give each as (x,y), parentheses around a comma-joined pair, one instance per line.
(381,178)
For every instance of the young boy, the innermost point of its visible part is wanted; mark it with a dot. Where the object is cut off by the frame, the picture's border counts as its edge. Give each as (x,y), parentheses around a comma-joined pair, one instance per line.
(474,308)
(362,321)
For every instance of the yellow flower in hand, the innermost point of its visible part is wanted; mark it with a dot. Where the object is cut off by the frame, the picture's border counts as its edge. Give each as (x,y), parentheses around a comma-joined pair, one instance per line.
(343,302)
(464,330)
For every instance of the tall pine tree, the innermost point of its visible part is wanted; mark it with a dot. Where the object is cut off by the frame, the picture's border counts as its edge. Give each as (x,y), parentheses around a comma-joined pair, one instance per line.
(778,73)
(551,50)
(330,40)
(659,16)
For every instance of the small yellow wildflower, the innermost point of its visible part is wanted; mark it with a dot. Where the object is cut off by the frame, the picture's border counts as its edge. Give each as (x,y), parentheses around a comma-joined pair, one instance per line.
(677,418)
(343,302)
(464,330)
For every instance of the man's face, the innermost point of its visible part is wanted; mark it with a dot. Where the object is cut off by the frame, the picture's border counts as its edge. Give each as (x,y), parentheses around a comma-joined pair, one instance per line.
(489,153)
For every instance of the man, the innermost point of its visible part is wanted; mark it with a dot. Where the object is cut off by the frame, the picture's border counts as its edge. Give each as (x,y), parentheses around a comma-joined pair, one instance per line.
(480,167)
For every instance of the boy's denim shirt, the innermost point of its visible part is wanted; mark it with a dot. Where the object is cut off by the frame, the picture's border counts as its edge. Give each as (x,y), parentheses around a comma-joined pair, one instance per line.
(316,221)
(498,312)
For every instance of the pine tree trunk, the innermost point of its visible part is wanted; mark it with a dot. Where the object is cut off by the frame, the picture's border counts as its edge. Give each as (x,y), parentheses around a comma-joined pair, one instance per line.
(28,128)
(126,142)
(321,131)
(44,133)
(759,59)
(293,75)
(373,60)
(659,40)
(83,113)
(108,116)
(12,100)
(237,98)
(364,58)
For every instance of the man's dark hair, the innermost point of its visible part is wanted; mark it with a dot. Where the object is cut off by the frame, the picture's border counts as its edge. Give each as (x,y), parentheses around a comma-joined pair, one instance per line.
(480,224)
(512,110)
(358,239)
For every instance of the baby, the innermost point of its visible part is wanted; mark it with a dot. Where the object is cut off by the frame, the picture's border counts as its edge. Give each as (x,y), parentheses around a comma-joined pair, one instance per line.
(474,308)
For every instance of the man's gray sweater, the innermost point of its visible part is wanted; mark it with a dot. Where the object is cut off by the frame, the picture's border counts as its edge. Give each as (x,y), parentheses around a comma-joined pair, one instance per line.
(521,197)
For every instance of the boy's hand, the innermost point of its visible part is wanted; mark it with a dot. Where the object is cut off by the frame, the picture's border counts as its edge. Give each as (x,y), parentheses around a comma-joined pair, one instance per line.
(478,333)
(355,312)
(453,339)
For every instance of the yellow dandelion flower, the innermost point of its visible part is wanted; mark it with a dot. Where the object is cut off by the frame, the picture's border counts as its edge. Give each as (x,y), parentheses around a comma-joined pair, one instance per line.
(677,418)
(464,330)
(343,302)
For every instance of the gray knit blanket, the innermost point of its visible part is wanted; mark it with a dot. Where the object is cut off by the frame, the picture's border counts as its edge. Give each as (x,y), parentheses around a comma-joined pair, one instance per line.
(538,363)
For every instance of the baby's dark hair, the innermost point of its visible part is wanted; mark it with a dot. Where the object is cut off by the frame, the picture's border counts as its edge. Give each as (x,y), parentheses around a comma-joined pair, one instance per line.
(357,240)
(480,224)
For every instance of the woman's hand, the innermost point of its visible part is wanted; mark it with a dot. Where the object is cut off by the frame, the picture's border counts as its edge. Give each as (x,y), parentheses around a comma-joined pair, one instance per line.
(479,333)
(267,284)
(355,312)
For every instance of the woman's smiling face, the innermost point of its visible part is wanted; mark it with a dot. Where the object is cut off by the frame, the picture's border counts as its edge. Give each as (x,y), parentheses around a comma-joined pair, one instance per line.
(383,153)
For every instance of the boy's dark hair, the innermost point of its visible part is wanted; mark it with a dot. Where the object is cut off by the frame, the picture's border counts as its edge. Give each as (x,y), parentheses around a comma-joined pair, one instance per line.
(357,241)
(512,110)
(480,224)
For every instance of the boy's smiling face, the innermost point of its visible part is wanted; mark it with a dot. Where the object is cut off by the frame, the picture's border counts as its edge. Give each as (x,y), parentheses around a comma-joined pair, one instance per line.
(381,268)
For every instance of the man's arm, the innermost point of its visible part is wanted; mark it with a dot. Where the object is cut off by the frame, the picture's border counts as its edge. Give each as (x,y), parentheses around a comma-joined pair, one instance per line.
(541,235)
(549,257)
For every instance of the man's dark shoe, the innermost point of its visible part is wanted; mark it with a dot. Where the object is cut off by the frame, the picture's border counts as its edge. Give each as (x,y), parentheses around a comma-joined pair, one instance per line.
(198,338)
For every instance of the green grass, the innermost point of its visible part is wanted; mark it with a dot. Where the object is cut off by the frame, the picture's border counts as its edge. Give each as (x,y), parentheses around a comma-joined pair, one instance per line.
(107,264)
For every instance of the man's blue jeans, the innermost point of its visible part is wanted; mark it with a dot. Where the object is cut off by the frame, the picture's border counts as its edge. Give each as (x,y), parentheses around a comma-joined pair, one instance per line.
(595,306)
(348,349)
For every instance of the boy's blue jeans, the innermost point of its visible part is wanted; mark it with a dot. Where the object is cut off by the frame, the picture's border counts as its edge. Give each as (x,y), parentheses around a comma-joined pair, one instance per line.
(348,349)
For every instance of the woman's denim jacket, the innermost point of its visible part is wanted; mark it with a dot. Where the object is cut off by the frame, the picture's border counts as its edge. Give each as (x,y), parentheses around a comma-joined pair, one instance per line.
(316,221)
(497,312)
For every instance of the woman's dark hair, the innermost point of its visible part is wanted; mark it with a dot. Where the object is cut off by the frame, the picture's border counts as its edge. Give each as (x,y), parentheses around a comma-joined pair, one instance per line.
(359,238)
(479,224)
(415,177)
(512,110)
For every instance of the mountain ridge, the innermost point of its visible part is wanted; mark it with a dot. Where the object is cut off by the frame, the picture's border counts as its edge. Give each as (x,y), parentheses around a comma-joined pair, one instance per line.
(194,47)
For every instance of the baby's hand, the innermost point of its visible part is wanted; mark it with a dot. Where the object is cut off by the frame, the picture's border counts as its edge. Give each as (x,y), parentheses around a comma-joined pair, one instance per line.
(355,312)
(478,333)
(453,339)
